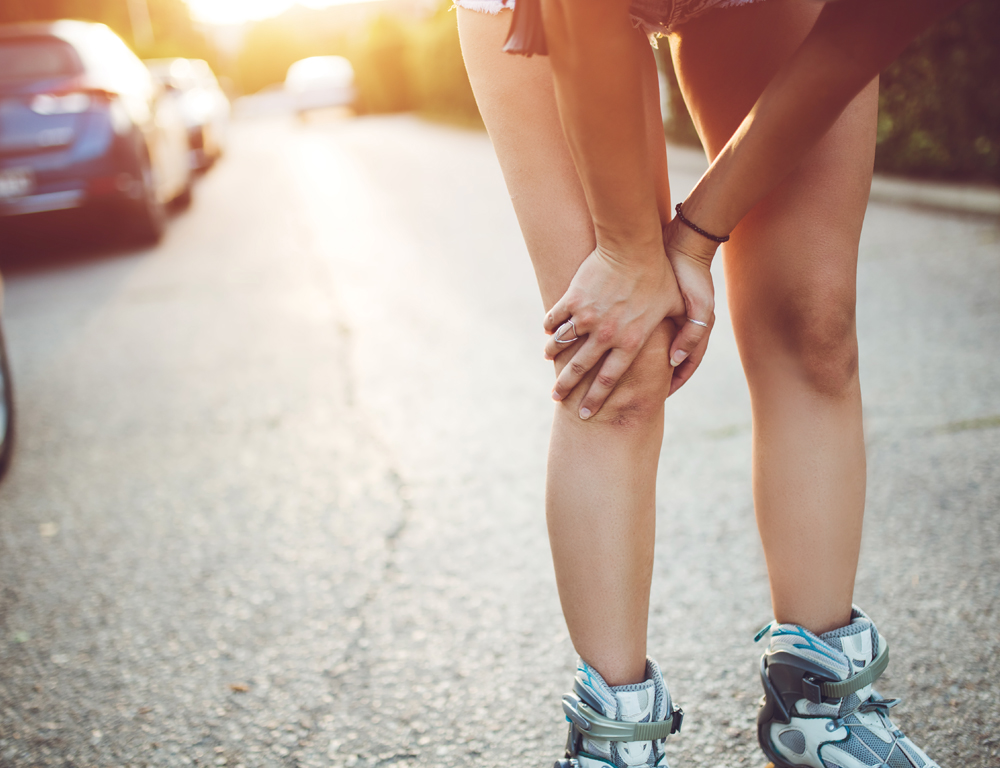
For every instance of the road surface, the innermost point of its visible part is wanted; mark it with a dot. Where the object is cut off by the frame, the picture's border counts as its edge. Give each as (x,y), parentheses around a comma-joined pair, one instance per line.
(277,496)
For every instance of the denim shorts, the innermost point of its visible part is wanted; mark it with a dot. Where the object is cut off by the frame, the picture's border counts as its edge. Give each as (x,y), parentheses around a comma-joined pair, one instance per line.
(655,17)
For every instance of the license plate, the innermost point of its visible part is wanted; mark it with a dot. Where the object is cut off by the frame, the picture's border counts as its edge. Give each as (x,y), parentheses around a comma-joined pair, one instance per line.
(16,182)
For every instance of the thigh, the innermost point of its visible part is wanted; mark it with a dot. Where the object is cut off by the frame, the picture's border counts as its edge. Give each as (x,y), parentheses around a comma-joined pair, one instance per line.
(791,264)
(516,98)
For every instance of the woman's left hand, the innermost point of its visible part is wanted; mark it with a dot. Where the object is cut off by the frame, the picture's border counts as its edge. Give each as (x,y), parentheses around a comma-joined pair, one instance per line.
(690,255)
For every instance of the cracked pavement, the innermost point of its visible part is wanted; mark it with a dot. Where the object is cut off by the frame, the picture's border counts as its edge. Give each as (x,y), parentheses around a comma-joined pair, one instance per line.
(277,496)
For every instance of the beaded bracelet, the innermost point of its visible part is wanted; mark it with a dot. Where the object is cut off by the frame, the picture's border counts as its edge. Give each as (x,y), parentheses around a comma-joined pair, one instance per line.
(696,228)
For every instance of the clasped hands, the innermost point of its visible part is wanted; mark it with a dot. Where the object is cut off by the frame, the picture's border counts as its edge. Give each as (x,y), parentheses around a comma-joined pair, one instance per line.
(616,300)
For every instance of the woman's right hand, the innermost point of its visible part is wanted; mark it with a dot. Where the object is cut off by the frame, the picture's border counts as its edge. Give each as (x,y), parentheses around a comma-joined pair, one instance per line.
(616,304)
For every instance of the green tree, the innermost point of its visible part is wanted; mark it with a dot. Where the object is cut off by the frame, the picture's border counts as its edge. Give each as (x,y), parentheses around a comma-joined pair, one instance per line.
(382,68)
(268,50)
(174,33)
(271,46)
(441,84)
(939,103)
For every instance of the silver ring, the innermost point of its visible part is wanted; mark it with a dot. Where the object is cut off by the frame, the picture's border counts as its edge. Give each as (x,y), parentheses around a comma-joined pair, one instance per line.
(562,329)
(697,322)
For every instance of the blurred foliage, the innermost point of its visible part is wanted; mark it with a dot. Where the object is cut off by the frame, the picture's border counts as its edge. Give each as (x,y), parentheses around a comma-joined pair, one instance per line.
(382,67)
(415,65)
(440,82)
(678,126)
(174,34)
(939,102)
(400,64)
(269,49)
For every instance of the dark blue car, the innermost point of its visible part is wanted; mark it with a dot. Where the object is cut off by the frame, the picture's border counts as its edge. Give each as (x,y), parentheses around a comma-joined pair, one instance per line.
(83,123)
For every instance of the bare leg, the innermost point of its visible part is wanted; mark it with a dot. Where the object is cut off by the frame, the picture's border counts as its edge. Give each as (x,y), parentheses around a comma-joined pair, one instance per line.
(791,269)
(601,472)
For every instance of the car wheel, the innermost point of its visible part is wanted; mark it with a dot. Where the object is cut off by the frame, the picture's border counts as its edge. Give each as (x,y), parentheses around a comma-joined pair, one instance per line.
(149,215)
(6,409)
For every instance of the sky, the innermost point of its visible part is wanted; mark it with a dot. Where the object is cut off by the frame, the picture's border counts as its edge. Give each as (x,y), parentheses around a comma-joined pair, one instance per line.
(237,11)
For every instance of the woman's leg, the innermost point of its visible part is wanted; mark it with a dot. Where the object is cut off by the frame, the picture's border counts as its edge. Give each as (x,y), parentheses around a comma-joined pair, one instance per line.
(790,275)
(601,472)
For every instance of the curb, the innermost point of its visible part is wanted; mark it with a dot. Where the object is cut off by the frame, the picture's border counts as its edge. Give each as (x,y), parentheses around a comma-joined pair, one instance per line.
(964,198)
(961,198)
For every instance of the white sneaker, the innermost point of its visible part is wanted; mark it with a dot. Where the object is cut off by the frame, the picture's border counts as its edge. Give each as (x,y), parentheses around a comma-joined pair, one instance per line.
(623,726)
(819,708)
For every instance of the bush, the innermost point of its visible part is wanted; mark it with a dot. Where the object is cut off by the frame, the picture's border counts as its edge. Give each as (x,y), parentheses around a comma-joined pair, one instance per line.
(678,126)
(417,65)
(441,84)
(269,49)
(174,33)
(381,67)
(400,64)
(939,103)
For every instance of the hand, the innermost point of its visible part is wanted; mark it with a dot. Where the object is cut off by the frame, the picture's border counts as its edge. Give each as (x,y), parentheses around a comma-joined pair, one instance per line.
(690,255)
(615,305)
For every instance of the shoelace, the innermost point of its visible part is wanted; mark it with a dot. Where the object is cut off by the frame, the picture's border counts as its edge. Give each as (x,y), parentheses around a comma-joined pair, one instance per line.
(880,707)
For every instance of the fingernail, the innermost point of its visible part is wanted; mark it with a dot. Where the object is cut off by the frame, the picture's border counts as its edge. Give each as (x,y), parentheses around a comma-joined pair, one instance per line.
(678,357)
(556,396)
(584,413)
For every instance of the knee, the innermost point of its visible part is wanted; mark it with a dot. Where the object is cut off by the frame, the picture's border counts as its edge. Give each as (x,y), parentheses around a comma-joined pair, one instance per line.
(819,335)
(639,395)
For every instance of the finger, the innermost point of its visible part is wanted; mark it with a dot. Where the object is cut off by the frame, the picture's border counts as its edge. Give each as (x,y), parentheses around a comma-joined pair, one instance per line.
(612,369)
(689,338)
(556,316)
(684,371)
(578,366)
(563,338)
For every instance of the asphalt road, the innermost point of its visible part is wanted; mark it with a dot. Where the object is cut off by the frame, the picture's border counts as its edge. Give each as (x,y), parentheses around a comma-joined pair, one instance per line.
(277,496)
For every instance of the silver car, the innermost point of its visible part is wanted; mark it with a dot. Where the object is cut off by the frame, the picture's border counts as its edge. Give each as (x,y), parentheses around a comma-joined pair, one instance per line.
(320,81)
(202,102)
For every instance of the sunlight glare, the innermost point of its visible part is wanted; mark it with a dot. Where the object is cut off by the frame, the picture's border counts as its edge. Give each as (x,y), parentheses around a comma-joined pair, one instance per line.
(239,11)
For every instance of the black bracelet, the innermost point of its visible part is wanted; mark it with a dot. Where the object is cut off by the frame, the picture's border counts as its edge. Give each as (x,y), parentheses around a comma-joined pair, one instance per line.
(698,229)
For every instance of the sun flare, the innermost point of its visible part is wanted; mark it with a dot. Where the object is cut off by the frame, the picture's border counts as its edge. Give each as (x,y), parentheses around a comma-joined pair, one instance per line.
(239,11)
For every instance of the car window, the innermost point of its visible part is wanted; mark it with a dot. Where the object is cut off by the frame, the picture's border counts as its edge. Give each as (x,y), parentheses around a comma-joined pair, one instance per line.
(37,58)
(113,64)
(204,73)
(182,75)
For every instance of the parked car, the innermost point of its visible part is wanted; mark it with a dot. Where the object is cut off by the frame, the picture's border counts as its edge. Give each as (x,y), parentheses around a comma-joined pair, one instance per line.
(203,104)
(83,123)
(320,81)
(6,401)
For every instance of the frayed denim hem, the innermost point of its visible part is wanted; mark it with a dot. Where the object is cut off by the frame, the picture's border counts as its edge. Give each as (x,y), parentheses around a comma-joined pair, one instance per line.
(680,11)
(483,6)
